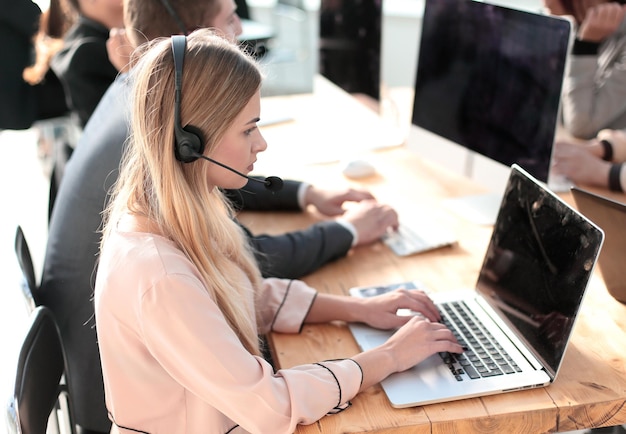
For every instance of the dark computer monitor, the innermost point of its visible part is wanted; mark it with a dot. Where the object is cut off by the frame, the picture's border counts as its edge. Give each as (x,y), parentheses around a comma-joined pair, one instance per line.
(489,80)
(349,44)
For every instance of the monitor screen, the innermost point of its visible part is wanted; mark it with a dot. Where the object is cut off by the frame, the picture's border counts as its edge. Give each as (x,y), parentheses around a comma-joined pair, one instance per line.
(349,45)
(489,79)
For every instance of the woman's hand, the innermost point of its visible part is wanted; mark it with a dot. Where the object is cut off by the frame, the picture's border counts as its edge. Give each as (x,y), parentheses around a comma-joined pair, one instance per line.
(417,340)
(381,311)
(414,342)
(378,312)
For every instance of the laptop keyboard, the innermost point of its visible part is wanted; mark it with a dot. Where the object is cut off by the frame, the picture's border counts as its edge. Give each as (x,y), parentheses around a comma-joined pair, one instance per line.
(406,241)
(484,357)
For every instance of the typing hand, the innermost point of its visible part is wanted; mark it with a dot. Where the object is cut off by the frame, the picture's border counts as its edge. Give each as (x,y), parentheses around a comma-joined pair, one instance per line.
(381,310)
(371,220)
(330,202)
(418,340)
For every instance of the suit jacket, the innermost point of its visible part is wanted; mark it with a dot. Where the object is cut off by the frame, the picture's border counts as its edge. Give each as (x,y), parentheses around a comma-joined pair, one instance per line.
(292,254)
(19,21)
(73,241)
(83,67)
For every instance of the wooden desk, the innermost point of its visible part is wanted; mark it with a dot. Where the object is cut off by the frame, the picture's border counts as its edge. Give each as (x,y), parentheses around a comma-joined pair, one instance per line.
(325,126)
(590,390)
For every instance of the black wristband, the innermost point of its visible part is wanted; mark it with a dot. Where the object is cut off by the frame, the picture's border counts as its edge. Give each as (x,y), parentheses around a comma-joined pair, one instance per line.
(585,48)
(615,183)
(608,150)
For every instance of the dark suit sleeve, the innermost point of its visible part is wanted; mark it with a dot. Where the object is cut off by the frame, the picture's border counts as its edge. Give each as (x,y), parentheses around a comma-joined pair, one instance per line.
(87,74)
(255,197)
(296,254)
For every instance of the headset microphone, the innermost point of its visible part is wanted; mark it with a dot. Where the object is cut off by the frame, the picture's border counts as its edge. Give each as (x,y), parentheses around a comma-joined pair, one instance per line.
(272,183)
(188,141)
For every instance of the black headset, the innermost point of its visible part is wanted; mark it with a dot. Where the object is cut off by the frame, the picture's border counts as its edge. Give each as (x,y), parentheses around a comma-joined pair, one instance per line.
(188,141)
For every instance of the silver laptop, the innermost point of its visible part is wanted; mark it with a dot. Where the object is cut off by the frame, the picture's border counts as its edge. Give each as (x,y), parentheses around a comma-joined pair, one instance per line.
(611,217)
(518,320)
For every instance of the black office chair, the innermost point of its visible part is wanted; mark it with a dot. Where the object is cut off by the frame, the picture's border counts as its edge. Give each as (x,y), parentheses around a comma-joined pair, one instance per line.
(40,402)
(24,258)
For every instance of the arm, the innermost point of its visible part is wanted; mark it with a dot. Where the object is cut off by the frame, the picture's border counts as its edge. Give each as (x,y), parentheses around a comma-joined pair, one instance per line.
(417,338)
(255,197)
(205,356)
(597,162)
(592,88)
(295,254)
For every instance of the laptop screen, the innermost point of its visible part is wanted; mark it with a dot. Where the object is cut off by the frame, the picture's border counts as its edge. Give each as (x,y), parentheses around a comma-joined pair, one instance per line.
(611,217)
(537,266)
(489,79)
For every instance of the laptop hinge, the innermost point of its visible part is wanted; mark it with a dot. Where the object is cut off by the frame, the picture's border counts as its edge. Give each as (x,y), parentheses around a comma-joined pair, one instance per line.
(519,343)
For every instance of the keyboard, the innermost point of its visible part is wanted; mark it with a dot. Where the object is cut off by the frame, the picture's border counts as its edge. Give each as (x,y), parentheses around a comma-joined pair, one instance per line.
(408,241)
(484,356)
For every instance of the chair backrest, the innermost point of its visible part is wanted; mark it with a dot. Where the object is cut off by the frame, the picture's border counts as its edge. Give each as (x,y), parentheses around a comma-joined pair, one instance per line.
(41,378)
(24,258)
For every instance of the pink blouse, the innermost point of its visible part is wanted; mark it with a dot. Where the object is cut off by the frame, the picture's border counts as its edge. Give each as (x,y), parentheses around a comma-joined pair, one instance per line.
(171,363)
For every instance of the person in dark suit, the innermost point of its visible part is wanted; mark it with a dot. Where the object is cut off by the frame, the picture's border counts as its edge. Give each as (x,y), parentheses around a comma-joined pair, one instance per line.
(73,241)
(83,67)
(19,23)
(83,63)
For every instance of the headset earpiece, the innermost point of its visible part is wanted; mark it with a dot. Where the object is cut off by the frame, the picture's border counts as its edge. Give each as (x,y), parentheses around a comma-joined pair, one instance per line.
(188,141)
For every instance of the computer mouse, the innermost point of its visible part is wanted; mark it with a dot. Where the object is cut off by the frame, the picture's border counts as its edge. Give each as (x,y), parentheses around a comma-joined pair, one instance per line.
(358,168)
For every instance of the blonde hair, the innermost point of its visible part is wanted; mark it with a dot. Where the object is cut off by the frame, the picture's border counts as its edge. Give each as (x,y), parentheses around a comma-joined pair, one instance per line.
(218,81)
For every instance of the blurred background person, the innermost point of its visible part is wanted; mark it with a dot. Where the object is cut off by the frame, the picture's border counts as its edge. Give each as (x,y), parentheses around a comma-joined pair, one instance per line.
(594,88)
(596,162)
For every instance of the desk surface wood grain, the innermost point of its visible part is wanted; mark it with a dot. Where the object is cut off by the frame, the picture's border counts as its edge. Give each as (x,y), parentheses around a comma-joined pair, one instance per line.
(590,390)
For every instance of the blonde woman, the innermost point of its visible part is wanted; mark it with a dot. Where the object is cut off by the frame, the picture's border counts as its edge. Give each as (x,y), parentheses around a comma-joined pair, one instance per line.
(179,299)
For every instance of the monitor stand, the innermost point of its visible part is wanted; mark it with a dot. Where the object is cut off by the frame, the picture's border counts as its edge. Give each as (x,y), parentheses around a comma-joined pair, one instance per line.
(480,209)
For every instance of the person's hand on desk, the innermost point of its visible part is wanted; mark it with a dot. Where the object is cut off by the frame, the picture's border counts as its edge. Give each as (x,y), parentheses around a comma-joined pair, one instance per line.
(369,218)
(417,338)
(381,311)
(581,163)
(331,202)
